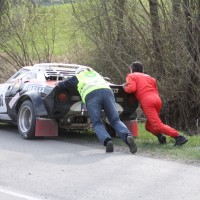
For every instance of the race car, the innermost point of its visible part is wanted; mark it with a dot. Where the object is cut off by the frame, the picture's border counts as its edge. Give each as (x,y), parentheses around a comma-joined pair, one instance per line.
(31,100)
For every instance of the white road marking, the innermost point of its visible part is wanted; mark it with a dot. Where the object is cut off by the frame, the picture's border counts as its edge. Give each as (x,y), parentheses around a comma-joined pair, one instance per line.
(17,194)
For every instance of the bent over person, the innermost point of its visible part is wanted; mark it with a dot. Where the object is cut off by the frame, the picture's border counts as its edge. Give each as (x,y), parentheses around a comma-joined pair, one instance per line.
(97,95)
(146,91)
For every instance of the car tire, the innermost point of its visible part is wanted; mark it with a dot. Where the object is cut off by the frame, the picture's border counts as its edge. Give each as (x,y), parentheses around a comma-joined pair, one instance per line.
(26,120)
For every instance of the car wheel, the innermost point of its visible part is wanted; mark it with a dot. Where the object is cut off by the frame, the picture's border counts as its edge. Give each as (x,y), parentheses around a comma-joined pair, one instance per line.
(26,120)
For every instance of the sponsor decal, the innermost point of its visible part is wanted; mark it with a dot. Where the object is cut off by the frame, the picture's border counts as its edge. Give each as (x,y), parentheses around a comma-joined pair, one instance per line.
(13,100)
(37,88)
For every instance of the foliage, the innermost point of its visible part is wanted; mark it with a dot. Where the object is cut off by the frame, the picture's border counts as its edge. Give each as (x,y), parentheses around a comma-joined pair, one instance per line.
(32,33)
(3,8)
(25,35)
(164,35)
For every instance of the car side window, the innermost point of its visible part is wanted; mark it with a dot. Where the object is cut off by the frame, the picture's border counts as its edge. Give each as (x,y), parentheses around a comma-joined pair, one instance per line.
(18,75)
(27,76)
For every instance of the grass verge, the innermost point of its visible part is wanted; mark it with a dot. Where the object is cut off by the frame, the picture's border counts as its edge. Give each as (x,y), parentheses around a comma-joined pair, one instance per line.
(148,145)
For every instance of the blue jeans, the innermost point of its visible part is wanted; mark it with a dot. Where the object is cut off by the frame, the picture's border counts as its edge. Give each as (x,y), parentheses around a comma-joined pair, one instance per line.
(103,99)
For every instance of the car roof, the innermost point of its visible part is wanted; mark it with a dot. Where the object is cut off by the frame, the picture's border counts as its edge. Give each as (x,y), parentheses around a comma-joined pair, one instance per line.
(57,69)
(55,65)
(59,65)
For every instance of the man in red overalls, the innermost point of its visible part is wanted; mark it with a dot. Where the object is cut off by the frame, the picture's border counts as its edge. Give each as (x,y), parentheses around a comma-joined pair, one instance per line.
(145,89)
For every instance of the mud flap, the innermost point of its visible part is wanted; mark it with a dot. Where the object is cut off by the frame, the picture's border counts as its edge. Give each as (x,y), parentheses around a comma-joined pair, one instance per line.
(132,125)
(46,127)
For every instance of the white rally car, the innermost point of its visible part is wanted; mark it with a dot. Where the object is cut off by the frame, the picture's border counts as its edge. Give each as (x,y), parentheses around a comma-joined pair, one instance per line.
(30,100)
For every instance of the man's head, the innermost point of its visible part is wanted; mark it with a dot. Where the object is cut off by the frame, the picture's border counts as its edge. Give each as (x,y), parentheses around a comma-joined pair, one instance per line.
(136,67)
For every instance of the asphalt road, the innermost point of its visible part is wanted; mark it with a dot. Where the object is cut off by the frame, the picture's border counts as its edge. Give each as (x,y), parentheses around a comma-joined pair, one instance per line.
(61,170)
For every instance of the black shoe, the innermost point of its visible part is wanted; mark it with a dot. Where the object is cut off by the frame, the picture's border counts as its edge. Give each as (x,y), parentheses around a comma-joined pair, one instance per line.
(161,138)
(180,140)
(109,147)
(131,144)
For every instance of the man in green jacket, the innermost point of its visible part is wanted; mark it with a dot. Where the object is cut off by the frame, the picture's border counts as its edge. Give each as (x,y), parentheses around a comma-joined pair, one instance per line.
(97,95)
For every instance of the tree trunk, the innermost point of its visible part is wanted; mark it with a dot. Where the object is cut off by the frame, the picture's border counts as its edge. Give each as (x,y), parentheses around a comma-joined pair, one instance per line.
(119,6)
(176,29)
(192,16)
(156,35)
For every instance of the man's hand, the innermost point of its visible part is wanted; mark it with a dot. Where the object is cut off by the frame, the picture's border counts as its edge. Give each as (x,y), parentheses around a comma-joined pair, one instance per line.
(124,85)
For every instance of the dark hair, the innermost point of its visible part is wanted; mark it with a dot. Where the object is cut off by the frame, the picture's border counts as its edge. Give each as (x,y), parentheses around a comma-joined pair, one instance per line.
(136,67)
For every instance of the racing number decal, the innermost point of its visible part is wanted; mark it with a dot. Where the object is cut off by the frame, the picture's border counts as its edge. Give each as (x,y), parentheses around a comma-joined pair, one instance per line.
(1,100)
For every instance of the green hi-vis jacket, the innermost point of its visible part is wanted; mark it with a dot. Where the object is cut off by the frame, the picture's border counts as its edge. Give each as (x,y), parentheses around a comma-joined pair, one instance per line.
(89,81)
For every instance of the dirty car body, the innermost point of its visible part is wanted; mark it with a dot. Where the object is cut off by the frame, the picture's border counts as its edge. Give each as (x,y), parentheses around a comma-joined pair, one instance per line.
(31,100)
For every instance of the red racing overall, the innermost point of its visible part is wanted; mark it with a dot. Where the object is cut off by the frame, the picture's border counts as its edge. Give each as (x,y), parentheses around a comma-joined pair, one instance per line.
(146,91)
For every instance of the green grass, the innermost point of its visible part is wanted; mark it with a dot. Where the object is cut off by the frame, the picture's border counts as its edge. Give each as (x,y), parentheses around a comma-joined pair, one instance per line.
(69,38)
(148,145)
